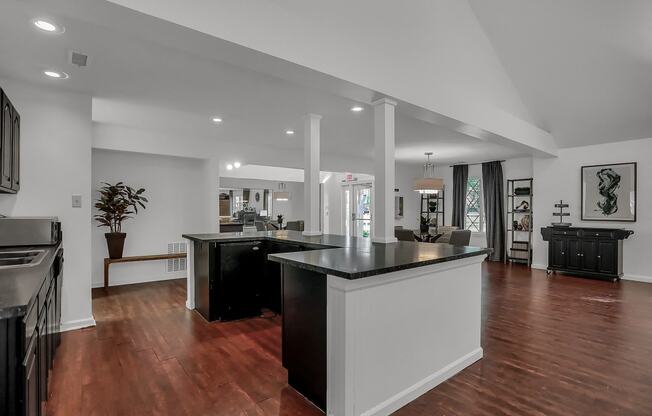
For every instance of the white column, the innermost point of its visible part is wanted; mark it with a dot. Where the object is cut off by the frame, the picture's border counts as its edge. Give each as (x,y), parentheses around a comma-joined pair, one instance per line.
(384,171)
(311,174)
(212,181)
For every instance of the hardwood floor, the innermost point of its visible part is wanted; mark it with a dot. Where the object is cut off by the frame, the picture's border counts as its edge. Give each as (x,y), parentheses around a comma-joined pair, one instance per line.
(558,346)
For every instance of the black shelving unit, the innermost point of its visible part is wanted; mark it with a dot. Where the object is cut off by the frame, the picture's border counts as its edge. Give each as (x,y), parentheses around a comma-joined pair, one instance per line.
(518,247)
(426,199)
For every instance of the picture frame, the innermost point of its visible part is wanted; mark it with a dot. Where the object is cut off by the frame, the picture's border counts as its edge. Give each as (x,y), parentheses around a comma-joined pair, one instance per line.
(609,192)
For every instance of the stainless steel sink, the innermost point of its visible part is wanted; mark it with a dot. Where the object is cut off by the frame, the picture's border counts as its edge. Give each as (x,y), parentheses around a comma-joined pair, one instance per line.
(21,258)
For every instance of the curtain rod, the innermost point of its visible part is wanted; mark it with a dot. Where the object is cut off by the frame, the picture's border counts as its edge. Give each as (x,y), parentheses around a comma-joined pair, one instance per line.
(473,164)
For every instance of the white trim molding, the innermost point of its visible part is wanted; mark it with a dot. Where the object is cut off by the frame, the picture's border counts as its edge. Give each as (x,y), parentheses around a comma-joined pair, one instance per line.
(77,324)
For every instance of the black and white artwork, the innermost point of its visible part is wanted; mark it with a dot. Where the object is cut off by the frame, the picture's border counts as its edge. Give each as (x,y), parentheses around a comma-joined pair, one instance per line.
(609,192)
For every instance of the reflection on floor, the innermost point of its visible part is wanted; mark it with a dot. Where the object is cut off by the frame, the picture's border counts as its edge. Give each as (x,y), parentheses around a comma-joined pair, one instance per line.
(553,346)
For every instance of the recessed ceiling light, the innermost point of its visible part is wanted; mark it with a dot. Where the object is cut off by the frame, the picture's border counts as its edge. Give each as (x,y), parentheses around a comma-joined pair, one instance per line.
(216,120)
(289,132)
(55,74)
(48,26)
(236,165)
(356,109)
(229,167)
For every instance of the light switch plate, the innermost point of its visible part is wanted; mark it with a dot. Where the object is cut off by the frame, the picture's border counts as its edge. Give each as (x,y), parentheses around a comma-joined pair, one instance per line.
(76,201)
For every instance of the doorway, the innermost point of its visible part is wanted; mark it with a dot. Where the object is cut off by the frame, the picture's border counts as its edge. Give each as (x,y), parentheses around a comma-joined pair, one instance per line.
(356,209)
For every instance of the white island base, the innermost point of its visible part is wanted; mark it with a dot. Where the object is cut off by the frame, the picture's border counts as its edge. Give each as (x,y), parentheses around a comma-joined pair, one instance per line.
(393,337)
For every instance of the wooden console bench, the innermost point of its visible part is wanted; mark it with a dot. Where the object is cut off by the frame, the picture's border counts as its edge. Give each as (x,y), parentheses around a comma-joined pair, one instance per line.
(108,261)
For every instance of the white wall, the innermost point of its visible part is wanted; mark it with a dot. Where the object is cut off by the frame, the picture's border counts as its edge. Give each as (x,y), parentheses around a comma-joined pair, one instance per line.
(291,210)
(55,161)
(560,178)
(176,206)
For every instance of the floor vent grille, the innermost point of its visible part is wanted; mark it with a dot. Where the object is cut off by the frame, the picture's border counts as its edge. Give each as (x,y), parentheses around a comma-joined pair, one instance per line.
(176,265)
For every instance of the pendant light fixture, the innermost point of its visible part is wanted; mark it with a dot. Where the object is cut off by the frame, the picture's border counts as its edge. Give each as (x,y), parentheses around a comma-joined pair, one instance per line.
(281,194)
(429,184)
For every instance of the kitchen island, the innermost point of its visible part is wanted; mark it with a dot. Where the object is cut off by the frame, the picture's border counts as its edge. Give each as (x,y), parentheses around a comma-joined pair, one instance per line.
(367,327)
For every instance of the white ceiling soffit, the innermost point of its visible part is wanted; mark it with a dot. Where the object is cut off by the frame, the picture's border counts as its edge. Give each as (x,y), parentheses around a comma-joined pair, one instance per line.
(584,67)
(433,55)
(275,173)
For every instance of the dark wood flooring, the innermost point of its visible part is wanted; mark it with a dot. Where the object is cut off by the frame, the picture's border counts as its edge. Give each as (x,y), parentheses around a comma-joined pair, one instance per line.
(552,346)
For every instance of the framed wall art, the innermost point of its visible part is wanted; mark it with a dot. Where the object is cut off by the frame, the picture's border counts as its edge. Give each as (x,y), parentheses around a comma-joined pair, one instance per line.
(609,192)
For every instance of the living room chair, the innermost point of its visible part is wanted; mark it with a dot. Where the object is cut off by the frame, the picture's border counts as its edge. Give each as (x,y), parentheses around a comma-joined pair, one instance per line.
(460,238)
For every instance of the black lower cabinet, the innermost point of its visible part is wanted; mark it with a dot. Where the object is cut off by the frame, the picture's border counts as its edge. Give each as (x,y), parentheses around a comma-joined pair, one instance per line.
(304,332)
(589,252)
(271,284)
(228,278)
(234,280)
(27,350)
(241,271)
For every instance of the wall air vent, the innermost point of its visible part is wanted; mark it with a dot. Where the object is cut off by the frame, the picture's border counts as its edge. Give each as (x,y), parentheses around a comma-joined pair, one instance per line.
(78,59)
(176,265)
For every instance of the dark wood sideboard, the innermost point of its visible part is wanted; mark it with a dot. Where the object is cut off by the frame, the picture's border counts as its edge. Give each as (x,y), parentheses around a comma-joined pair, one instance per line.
(585,251)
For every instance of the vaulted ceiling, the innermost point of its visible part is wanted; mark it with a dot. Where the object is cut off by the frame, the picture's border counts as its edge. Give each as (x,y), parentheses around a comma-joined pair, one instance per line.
(582,67)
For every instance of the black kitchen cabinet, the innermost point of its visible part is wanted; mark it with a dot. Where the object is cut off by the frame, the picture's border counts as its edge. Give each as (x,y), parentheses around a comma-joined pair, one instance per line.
(271,284)
(9,146)
(31,402)
(228,278)
(590,252)
(28,347)
(241,270)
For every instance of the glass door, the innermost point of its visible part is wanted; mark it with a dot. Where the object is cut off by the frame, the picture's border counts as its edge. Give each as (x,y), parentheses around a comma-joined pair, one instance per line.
(356,209)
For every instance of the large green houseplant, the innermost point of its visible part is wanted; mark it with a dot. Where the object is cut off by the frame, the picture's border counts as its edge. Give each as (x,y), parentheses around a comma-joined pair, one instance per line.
(117,202)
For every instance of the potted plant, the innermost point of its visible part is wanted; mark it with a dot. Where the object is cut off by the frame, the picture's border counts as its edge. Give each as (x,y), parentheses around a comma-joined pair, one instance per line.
(117,203)
(425,224)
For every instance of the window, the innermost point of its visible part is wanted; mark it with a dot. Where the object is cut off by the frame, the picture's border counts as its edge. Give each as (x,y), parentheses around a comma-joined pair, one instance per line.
(474,219)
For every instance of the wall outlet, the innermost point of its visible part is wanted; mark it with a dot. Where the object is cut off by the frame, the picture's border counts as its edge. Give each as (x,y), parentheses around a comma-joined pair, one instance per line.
(76,201)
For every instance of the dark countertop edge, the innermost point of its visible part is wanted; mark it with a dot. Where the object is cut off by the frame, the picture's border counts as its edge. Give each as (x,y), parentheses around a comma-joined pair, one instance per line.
(17,311)
(235,238)
(383,270)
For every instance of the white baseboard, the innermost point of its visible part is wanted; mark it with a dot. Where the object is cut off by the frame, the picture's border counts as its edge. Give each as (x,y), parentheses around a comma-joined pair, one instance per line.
(637,278)
(631,277)
(406,396)
(172,276)
(78,324)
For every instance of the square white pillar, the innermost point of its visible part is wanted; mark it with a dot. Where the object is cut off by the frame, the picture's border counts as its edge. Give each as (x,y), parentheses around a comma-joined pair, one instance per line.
(212,186)
(384,170)
(311,132)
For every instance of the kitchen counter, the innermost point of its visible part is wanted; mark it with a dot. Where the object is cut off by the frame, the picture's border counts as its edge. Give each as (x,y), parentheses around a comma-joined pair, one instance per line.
(349,257)
(20,285)
(352,311)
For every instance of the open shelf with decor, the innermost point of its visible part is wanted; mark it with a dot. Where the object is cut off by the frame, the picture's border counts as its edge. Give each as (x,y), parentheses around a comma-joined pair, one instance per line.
(518,247)
(433,208)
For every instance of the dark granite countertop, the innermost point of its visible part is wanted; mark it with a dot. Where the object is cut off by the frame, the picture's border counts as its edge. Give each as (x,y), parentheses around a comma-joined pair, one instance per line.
(350,257)
(20,285)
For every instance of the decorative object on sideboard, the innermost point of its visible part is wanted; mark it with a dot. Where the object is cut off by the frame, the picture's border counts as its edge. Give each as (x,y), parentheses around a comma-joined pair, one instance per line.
(561,214)
(117,203)
(279,218)
(609,192)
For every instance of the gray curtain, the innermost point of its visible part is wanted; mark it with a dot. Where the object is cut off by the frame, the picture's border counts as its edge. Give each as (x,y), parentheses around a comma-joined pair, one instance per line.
(493,191)
(460,179)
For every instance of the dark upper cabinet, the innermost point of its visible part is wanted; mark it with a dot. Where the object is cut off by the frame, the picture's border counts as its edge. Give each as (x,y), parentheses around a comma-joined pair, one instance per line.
(15,159)
(9,146)
(591,252)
